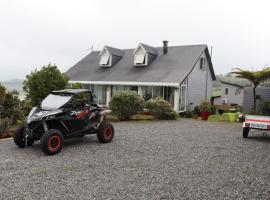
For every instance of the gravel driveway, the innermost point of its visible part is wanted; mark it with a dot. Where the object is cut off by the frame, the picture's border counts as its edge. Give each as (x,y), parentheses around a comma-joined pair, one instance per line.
(183,159)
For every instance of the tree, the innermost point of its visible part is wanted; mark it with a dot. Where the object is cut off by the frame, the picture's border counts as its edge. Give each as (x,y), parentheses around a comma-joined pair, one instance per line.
(255,77)
(2,97)
(12,107)
(41,83)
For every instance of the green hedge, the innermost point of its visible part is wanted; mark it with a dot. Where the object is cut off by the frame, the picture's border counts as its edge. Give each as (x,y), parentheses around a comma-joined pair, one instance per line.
(124,104)
(161,109)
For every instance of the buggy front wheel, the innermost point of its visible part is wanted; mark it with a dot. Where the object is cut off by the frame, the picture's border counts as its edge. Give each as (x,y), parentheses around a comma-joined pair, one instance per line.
(19,138)
(52,141)
(105,132)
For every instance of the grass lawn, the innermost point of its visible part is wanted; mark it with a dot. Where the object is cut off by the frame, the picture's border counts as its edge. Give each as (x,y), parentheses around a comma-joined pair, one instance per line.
(219,118)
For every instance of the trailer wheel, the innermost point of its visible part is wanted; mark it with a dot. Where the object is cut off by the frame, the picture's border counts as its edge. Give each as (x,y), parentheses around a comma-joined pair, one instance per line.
(245,132)
(105,132)
(52,141)
(19,138)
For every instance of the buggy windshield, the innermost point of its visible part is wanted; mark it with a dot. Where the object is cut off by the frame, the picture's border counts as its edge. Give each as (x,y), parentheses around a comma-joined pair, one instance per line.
(54,101)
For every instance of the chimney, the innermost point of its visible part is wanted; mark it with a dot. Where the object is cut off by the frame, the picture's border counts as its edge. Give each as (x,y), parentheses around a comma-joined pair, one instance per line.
(165,46)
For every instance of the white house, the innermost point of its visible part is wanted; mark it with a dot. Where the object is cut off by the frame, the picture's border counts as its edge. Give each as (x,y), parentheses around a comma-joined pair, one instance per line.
(232,93)
(182,75)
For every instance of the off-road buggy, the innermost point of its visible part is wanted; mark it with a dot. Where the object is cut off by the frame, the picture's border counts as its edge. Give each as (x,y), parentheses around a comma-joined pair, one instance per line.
(62,115)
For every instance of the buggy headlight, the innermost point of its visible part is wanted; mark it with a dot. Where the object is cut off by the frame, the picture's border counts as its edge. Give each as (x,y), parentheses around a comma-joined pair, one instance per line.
(50,117)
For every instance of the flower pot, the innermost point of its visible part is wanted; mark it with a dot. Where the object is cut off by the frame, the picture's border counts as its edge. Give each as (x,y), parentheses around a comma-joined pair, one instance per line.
(205,115)
(233,117)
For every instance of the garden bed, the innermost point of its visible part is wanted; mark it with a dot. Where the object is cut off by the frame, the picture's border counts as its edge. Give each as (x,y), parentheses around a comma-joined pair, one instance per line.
(8,133)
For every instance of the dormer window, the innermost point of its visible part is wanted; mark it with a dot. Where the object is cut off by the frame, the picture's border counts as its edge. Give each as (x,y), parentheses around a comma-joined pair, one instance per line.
(140,57)
(109,56)
(144,55)
(104,60)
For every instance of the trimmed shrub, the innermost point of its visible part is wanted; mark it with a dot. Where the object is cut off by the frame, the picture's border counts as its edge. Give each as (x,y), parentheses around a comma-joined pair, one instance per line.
(161,109)
(205,106)
(124,104)
(196,111)
(213,109)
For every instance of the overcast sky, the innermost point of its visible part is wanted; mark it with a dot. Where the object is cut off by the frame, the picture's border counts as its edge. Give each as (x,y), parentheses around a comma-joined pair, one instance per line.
(37,32)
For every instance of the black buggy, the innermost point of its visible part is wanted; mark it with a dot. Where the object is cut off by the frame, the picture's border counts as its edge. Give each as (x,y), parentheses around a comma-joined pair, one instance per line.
(62,115)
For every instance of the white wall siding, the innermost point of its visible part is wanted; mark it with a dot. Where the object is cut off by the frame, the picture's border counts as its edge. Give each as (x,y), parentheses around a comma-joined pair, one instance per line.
(197,85)
(235,94)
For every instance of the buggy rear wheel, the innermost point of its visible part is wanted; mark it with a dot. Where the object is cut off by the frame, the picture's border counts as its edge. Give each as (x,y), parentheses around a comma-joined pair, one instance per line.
(105,132)
(52,141)
(19,138)
(245,132)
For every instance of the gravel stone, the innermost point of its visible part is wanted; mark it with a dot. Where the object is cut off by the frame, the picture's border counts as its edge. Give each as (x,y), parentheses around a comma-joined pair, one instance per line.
(184,159)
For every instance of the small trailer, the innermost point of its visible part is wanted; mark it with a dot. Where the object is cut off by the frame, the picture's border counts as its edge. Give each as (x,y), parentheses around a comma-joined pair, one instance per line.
(255,122)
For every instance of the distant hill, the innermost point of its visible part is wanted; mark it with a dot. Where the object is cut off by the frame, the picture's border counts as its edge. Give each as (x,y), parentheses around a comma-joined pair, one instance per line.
(13,84)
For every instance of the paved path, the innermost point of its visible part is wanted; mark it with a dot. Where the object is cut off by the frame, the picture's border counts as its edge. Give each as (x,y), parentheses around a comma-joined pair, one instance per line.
(183,159)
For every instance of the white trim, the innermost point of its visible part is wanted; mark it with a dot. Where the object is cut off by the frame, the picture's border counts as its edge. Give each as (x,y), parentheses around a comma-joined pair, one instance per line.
(127,83)
(108,95)
(140,92)
(176,99)
(139,46)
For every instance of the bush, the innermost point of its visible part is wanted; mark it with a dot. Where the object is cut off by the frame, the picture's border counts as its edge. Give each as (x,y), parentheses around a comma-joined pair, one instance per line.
(205,106)
(196,111)
(213,109)
(188,113)
(161,109)
(4,124)
(124,104)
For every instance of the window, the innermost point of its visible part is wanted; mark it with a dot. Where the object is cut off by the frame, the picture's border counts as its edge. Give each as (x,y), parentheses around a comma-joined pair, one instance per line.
(150,92)
(139,59)
(116,88)
(147,93)
(104,60)
(202,63)
(226,91)
(98,92)
(237,91)
(157,92)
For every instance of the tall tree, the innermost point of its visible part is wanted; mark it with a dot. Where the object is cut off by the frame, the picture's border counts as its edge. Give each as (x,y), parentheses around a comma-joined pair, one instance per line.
(41,82)
(255,77)
(2,97)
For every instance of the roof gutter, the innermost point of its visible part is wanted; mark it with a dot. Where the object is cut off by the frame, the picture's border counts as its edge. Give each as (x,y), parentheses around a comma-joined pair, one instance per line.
(127,83)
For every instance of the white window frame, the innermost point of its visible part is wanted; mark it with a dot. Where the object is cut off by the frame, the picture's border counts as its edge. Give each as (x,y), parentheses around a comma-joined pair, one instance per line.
(140,56)
(104,60)
(202,63)
(140,59)
(183,98)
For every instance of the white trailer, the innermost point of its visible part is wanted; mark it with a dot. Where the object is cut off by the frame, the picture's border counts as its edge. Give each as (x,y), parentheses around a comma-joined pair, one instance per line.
(255,122)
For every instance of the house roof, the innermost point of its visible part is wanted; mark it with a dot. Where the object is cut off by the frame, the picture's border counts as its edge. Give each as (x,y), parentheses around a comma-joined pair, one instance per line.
(234,84)
(149,49)
(114,51)
(172,67)
(71,91)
